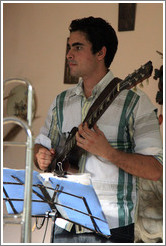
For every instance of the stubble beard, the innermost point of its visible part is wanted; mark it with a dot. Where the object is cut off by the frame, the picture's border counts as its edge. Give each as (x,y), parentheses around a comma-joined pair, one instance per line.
(75,73)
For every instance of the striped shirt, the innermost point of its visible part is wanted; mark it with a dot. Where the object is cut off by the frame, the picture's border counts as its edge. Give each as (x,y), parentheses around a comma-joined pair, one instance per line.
(130,124)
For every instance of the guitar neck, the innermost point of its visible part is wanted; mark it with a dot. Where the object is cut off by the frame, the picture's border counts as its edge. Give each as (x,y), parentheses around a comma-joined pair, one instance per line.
(103,102)
(113,89)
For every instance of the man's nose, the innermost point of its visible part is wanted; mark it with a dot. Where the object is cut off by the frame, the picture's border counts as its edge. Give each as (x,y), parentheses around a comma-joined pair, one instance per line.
(69,54)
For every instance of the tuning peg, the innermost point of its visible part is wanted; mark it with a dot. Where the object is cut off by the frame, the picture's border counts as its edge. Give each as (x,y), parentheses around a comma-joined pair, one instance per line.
(141,85)
(147,81)
(135,88)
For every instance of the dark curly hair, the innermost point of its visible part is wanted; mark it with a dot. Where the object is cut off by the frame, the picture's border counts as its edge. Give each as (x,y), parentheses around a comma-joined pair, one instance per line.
(100,33)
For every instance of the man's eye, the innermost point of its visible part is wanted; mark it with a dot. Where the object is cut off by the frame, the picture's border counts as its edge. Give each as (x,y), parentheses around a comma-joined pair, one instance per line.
(78,47)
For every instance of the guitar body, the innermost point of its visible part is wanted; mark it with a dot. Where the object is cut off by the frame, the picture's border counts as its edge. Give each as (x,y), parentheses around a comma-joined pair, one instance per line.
(74,157)
(68,159)
(70,163)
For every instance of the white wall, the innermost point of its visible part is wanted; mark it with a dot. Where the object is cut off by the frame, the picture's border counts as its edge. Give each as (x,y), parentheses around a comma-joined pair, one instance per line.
(34,42)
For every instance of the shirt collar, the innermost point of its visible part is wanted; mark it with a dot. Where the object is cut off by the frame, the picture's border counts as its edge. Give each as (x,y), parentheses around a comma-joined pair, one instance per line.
(78,90)
(102,83)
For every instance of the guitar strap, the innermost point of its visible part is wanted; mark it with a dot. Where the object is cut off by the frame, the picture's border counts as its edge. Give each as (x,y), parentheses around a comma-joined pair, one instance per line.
(97,103)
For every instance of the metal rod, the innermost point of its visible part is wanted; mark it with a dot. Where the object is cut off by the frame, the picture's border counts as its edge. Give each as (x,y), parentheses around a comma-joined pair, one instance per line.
(13,219)
(26,226)
(20,144)
(26,215)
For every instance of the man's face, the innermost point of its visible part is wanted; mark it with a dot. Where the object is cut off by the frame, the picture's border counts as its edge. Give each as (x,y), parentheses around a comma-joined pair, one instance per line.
(81,61)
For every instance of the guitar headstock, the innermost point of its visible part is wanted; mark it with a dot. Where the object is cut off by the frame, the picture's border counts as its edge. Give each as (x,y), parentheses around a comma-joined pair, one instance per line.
(144,72)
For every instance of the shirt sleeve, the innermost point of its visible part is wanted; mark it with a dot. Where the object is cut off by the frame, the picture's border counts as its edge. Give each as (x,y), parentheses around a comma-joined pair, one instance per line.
(49,133)
(147,134)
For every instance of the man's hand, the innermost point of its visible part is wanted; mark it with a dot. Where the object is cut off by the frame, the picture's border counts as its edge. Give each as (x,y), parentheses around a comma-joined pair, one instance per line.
(93,141)
(44,157)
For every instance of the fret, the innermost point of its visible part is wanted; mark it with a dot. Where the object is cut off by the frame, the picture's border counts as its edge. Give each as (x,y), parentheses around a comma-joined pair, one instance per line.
(118,87)
(89,121)
(107,99)
(101,108)
(95,114)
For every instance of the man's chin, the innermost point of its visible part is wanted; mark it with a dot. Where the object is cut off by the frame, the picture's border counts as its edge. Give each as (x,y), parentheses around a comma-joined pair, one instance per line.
(74,75)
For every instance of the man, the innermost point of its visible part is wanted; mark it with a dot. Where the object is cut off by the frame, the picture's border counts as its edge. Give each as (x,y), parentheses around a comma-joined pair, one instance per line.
(123,145)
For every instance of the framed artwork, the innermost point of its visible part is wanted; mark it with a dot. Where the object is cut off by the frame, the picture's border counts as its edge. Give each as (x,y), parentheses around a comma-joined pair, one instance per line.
(126,21)
(68,79)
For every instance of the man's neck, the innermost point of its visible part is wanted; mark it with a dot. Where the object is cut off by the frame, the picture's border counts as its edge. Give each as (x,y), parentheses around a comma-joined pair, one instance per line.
(90,82)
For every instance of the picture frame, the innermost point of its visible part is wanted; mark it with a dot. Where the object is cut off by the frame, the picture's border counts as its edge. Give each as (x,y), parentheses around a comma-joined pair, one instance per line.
(126,19)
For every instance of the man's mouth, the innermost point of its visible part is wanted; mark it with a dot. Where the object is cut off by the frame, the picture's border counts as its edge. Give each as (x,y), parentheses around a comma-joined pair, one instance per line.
(72,63)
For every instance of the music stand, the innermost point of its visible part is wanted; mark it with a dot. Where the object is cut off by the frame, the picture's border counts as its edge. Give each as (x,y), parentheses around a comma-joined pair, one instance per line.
(56,202)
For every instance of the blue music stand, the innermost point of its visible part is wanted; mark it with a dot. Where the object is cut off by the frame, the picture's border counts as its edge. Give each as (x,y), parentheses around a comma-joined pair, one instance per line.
(62,197)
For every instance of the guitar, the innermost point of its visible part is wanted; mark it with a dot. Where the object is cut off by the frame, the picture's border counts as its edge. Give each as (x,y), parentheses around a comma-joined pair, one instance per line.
(70,151)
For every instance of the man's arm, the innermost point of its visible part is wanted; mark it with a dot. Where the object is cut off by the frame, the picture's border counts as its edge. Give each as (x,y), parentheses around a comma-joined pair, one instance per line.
(144,166)
(43,156)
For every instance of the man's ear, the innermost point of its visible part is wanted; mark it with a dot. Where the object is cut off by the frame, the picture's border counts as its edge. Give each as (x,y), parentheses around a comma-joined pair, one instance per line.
(102,53)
